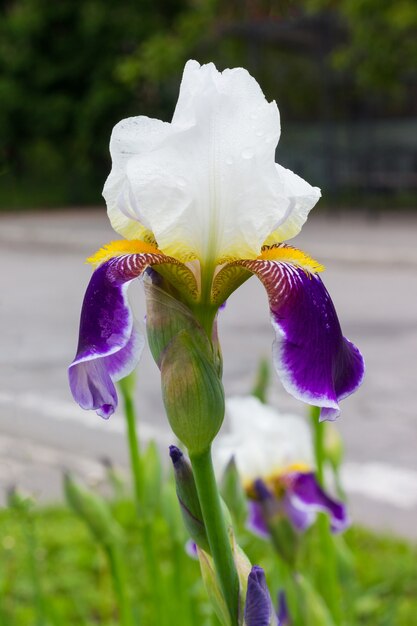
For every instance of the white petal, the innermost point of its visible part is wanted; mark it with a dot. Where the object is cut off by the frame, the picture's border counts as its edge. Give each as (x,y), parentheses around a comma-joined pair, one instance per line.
(303,197)
(206,184)
(262,440)
(130,137)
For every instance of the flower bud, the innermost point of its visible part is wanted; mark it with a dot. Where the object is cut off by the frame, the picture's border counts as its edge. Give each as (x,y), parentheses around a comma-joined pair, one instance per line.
(188,498)
(258,606)
(19,500)
(233,493)
(93,511)
(166,316)
(283,536)
(192,391)
(283,613)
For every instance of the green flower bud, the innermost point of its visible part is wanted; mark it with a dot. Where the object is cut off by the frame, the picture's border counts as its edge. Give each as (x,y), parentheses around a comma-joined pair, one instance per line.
(233,493)
(188,498)
(19,500)
(263,377)
(166,317)
(192,391)
(93,511)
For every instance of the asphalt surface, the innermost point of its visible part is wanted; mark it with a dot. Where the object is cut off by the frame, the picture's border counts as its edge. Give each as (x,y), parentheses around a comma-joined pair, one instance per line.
(371,275)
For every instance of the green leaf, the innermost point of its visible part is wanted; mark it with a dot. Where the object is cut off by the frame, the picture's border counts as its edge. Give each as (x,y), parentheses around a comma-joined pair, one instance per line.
(315,610)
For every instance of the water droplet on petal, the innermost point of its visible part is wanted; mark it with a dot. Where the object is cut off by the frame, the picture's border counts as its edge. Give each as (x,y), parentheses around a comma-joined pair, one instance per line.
(229,161)
(247,153)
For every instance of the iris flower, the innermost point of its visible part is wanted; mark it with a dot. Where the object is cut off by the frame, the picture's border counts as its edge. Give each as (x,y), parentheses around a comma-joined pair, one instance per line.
(202,202)
(276,463)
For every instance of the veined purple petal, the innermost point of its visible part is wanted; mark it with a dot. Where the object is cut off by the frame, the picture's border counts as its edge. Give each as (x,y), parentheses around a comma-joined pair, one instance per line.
(258,605)
(315,362)
(305,497)
(91,381)
(109,347)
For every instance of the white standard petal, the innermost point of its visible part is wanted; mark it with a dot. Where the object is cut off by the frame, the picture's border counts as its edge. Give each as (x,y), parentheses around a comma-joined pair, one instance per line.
(206,185)
(262,440)
(212,188)
(130,137)
(302,198)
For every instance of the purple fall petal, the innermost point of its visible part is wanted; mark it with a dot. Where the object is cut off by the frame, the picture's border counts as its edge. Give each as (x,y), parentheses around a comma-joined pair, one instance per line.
(306,497)
(314,361)
(300,516)
(258,605)
(109,347)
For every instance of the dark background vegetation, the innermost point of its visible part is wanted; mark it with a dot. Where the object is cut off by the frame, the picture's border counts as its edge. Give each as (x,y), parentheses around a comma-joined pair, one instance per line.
(343,73)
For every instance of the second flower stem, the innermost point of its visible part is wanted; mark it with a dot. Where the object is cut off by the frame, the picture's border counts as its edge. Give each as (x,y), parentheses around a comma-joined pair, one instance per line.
(135,459)
(217,534)
(330,583)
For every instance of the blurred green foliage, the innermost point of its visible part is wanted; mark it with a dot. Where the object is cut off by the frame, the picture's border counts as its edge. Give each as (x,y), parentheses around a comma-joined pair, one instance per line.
(69,70)
(77,582)
(380,50)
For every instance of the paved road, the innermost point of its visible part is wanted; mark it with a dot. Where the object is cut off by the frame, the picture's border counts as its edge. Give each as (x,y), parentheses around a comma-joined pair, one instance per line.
(372,276)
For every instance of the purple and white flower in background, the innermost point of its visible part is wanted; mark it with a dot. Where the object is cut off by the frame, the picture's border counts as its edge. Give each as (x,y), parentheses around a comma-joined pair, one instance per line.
(276,463)
(202,201)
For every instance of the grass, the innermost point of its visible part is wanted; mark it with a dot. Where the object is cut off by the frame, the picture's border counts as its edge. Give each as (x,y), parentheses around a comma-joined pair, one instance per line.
(74,583)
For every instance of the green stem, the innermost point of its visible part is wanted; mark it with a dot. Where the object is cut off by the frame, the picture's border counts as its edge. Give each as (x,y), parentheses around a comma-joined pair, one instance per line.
(216,529)
(318,436)
(136,465)
(134,449)
(119,581)
(32,547)
(329,582)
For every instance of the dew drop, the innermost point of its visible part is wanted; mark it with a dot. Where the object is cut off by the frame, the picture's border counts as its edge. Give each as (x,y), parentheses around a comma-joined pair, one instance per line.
(247,153)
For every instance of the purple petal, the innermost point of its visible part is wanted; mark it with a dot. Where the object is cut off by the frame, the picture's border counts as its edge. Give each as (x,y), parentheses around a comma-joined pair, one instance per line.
(256,521)
(109,347)
(283,613)
(306,497)
(258,606)
(191,549)
(91,381)
(314,361)
(300,516)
